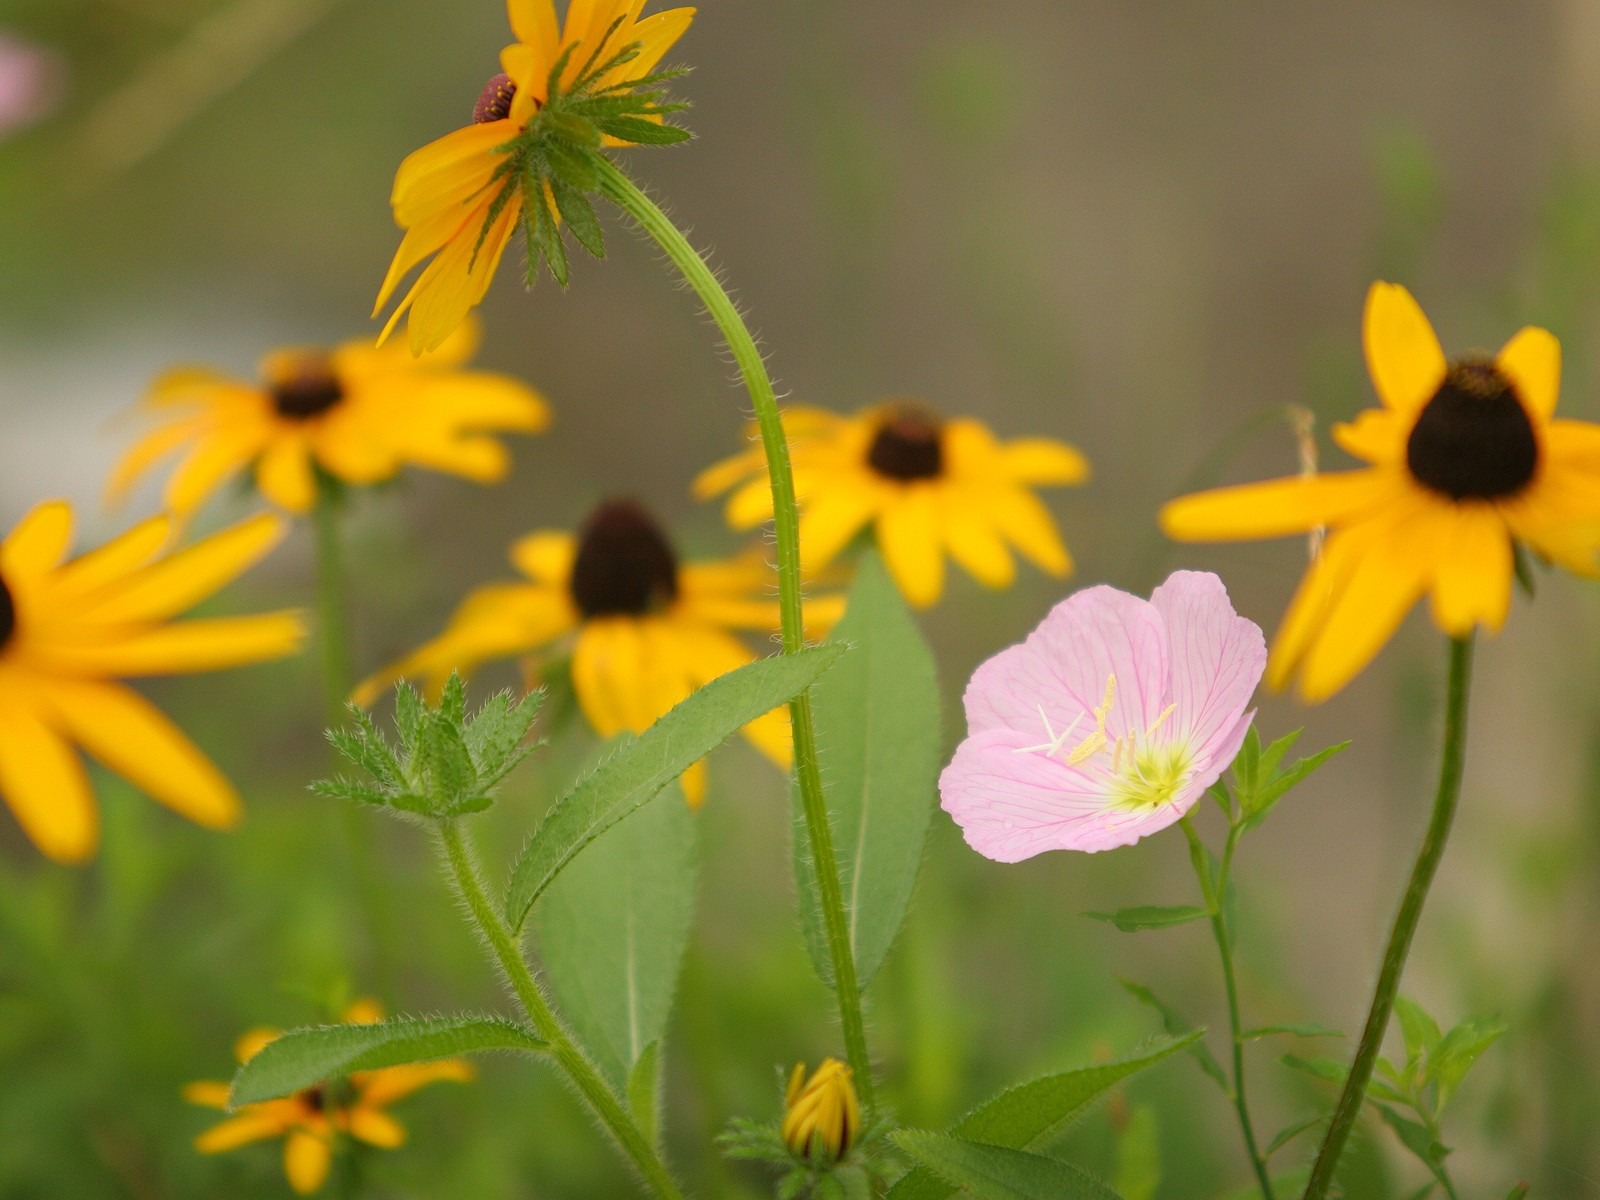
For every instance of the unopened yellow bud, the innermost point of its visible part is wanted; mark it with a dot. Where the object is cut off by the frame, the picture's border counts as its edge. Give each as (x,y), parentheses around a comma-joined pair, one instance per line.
(821,1115)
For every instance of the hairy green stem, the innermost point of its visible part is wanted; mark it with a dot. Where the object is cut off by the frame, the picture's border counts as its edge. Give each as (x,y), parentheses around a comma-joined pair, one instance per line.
(623,192)
(572,1061)
(1214,894)
(1405,923)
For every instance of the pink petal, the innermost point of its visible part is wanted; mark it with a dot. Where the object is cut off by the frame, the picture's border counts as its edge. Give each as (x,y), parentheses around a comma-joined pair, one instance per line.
(1216,658)
(1063,666)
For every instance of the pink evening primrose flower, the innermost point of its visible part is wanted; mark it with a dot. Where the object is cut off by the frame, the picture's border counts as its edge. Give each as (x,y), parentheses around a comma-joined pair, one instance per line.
(1108,723)
(29,83)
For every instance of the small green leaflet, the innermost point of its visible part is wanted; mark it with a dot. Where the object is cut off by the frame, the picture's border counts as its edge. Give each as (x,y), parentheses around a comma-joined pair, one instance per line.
(304,1057)
(1299,1029)
(999,1172)
(638,770)
(1150,916)
(1172,1021)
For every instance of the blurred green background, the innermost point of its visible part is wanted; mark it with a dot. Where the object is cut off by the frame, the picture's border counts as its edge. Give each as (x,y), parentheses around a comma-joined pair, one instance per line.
(1142,226)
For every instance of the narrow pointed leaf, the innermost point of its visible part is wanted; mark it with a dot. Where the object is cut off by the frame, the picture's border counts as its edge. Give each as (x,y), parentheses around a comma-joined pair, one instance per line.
(1289,1133)
(1150,916)
(989,1172)
(877,717)
(614,926)
(642,767)
(304,1057)
(1172,1021)
(1032,1114)
(1300,1029)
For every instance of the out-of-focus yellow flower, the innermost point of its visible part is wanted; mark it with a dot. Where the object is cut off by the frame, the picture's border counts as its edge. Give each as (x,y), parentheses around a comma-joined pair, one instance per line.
(358,413)
(70,629)
(1466,459)
(455,197)
(647,629)
(926,485)
(821,1115)
(311,1121)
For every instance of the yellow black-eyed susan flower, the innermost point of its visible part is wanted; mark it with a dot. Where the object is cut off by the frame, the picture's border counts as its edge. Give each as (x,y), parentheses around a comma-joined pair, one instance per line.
(69,630)
(460,198)
(821,1115)
(926,485)
(1465,459)
(358,413)
(644,629)
(312,1121)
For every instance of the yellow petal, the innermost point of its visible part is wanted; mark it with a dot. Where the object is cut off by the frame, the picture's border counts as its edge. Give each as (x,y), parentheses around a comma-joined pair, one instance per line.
(1027,524)
(376,1128)
(656,35)
(750,505)
(181,581)
(285,477)
(534,22)
(452,285)
(1276,508)
(108,564)
(145,454)
(606,672)
(253,1124)
(134,739)
(192,646)
(447,173)
(214,459)
(1044,462)
(1531,360)
(720,476)
(1472,584)
(1403,353)
(211,1093)
(39,542)
(1377,435)
(545,556)
(253,1041)
(693,783)
(45,786)
(908,535)
(973,542)
(384,1087)
(306,1159)
(480,459)
(830,520)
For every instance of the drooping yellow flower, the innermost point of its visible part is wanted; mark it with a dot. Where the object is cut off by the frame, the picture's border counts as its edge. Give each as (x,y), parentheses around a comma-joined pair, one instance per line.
(1466,458)
(70,630)
(645,630)
(312,1121)
(821,1115)
(453,197)
(358,413)
(927,486)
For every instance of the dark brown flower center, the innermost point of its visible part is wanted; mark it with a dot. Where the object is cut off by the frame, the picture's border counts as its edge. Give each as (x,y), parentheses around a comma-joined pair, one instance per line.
(625,566)
(1474,439)
(310,389)
(908,445)
(8,614)
(314,1098)
(494,102)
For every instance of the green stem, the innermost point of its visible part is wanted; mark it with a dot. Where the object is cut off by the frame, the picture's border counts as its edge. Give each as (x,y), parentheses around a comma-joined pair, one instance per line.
(1405,924)
(582,1073)
(1219,930)
(333,628)
(622,191)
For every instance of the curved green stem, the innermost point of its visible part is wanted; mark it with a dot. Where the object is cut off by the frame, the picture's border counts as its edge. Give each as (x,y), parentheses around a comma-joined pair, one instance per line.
(582,1073)
(623,192)
(1405,924)
(1219,930)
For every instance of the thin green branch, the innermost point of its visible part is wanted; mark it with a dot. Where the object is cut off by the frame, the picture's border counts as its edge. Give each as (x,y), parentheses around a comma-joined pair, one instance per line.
(623,192)
(582,1073)
(1405,923)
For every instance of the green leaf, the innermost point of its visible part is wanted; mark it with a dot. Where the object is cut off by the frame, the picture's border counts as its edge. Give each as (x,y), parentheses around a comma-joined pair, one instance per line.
(579,215)
(367,750)
(1290,1132)
(1330,1069)
(1247,765)
(644,1093)
(548,232)
(642,767)
(999,1172)
(614,927)
(640,132)
(1520,1192)
(344,789)
(409,711)
(1033,1113)
(1300,1029)
(443,768)
(1421,1032)
(1151,916)
(303,1057)
(496,737)
(1138,1174)
(1416,1138)
(1290,1183)
(1172,1021)
(1272,788)
(1455,1053)
(453,701)
(877,719)
(572,164)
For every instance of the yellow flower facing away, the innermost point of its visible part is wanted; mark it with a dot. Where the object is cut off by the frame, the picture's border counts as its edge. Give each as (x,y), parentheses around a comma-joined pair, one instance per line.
(69,630)
(357,413)
(644,630)
(927,486)
(312,1121)
(1464,459)
(452,197)
(821,1115)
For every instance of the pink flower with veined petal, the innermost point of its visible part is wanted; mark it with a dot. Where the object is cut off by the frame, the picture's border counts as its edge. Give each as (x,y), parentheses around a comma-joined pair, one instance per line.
(1108,723)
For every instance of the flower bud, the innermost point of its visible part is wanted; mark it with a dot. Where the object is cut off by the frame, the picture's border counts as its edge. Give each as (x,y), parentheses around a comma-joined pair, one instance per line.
(821,1115)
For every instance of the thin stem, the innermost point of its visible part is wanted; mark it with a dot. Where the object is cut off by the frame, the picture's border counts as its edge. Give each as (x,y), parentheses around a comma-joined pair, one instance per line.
(1219,930)
(786,522)
(508,954)
(333,627)
(1405,924)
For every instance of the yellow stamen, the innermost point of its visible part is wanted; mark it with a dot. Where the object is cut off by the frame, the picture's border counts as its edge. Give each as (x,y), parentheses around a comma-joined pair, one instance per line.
(1097,740)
